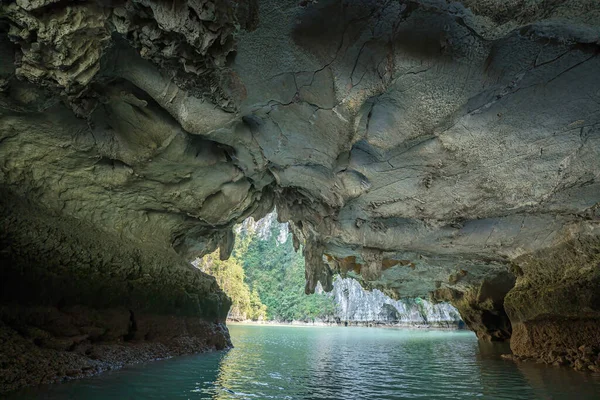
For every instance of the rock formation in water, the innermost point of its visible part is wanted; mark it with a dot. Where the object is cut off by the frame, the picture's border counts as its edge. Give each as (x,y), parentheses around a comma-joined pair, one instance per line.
(423,147)
(356,306)
(76,301)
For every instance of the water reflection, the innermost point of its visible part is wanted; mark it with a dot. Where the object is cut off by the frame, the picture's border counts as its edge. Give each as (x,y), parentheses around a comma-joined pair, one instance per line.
(325,363)
(335,363)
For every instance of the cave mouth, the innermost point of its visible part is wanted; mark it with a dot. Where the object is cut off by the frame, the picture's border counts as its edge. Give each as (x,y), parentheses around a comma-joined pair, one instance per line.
(423,148)
(265,278)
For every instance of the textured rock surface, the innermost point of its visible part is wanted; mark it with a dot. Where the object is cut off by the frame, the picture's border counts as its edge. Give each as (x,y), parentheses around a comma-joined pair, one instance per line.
(482,306)
(555,305)
(262,227)
(75,302)
(418,146)
(354,305)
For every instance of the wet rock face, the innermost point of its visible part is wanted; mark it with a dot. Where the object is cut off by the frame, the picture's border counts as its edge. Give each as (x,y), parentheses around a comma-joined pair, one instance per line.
(482,307)
(418,146)
(48,345)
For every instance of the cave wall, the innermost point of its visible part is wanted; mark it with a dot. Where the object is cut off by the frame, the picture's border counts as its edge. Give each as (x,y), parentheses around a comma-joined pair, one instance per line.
(420,147)
(75,301)
(554,307)
(100,187)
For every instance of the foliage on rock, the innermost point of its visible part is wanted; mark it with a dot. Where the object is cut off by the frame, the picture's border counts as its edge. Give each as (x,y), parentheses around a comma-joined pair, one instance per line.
(245,304)
(276,272)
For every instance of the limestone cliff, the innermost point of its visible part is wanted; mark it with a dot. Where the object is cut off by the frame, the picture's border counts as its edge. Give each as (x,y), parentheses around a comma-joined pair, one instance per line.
(262,228)
(351,303)
(423,147)
(356,306)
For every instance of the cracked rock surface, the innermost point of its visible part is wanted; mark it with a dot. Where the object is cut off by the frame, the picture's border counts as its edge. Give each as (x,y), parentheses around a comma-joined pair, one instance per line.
(422,147)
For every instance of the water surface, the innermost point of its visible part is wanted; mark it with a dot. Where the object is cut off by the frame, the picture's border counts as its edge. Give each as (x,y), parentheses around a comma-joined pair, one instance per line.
(279,362)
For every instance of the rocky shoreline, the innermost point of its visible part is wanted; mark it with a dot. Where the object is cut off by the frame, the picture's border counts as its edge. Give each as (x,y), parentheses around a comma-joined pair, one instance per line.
(75,302)
(32,356)
(558,343)
(583,359)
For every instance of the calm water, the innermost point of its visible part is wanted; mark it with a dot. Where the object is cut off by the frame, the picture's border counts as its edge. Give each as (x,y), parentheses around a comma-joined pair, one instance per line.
(271,362)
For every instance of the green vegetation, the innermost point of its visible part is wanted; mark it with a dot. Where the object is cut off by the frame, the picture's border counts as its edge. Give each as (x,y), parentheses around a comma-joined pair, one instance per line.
(265,280)
(246,304)
(276,273)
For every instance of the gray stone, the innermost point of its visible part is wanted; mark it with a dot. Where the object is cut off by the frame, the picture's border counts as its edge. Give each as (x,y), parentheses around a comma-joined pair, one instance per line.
(422,147)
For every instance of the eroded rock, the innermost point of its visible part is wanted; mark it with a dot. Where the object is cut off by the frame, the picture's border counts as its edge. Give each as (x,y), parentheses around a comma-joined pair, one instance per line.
(482,308)
(555,305)
(75,302)
(418,146)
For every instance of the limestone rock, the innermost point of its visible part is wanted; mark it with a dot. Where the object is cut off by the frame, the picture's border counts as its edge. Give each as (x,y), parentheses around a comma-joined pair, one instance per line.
(75,302)
(419,146)
(354,305)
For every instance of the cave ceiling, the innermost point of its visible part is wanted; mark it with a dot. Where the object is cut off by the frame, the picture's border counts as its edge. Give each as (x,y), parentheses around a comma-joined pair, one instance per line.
(418,146)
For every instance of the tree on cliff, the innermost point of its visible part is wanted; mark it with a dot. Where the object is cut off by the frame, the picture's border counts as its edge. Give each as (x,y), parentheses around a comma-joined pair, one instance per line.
(265,279)
(276,273)
(230,276)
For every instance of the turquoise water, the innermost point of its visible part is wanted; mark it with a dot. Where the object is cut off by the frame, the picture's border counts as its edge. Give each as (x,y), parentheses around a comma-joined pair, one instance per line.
(274,362)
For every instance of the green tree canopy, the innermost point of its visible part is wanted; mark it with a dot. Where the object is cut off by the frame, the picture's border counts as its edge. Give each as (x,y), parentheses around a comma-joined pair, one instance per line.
(276,272)
(265,280)
(230,276)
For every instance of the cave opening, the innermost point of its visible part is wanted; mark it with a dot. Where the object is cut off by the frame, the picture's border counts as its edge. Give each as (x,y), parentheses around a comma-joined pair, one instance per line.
(422,153)
(265,279)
